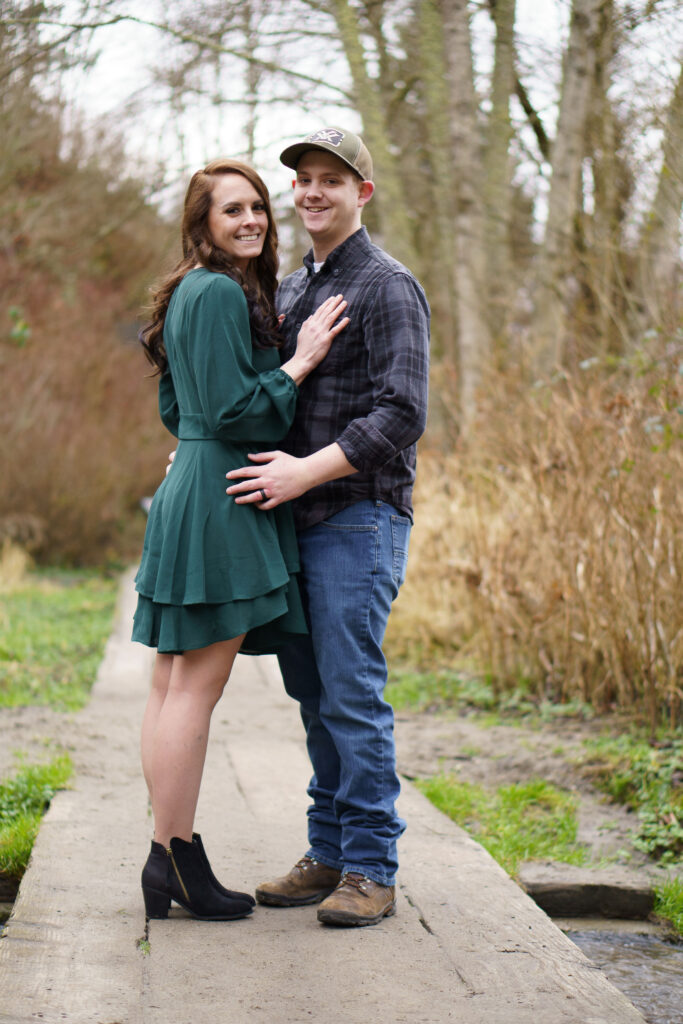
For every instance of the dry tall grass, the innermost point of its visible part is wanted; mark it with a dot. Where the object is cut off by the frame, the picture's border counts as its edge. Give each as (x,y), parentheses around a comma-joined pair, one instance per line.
(549,551)
(14,564)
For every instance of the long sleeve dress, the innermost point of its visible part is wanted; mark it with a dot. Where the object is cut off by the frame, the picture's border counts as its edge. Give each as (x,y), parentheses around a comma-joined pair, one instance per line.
(211,569)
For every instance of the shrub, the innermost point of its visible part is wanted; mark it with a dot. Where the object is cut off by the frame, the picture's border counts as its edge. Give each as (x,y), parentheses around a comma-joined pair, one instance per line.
(79,244)
(79,420)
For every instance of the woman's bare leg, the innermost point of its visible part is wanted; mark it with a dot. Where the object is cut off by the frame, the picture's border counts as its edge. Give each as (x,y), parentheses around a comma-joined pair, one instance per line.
(157,695)
(178,749)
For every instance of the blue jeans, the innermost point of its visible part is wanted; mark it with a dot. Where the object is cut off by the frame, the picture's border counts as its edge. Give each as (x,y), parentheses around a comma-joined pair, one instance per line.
(352,566)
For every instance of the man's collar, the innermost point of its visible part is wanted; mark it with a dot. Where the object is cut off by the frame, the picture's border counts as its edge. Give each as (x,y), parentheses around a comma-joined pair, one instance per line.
(358,240)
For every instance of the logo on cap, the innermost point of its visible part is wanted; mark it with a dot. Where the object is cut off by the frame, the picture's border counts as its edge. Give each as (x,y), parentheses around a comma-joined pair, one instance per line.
(331,135)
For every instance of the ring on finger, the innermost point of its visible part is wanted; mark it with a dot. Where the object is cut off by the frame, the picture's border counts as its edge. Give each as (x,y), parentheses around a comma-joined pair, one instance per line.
(263,494)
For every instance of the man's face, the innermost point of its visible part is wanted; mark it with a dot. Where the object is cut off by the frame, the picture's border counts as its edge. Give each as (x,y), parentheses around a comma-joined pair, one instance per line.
(328,197)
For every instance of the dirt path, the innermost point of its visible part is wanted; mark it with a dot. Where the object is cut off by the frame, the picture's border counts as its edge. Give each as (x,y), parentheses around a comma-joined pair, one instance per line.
(499,755)
(34,733)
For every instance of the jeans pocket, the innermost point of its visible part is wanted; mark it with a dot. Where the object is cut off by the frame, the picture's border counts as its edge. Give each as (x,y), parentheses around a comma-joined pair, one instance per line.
(350,527)
(361,517)
(400,536)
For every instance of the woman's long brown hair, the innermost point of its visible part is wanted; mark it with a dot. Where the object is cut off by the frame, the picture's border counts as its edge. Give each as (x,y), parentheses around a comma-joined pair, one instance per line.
(259,282)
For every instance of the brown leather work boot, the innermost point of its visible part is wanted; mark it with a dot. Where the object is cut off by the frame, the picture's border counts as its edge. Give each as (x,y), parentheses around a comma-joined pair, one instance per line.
(357,901)
(307,882)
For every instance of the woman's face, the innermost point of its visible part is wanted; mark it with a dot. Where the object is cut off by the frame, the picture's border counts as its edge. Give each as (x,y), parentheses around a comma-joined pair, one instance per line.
(238,221)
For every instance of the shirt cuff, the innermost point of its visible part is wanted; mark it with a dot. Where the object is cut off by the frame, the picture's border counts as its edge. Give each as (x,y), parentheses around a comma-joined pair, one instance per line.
(289,380)
(365,447)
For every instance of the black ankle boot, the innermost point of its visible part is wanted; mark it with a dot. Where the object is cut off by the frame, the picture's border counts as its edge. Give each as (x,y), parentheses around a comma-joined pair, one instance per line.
(156,881)
(180,874)
(235,895)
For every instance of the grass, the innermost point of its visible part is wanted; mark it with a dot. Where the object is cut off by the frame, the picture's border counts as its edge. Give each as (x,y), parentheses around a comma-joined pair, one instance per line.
(669,903)
(53,628)
(423,691)
(444,689)
(24,798)
(526,821)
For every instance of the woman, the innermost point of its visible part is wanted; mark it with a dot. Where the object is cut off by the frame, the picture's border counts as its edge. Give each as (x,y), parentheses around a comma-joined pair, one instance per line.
(215,577)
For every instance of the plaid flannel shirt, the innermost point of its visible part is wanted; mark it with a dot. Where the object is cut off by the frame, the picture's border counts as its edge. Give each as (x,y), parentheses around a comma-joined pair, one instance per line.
(369,394)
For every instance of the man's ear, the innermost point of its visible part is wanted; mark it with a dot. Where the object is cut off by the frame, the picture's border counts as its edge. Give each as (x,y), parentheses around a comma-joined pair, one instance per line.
(365,192)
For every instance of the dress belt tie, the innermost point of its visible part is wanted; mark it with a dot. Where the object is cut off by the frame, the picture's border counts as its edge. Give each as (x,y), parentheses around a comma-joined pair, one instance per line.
(193,427)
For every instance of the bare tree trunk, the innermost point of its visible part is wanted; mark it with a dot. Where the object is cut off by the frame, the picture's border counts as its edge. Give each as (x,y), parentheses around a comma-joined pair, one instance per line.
(391,198)
(567,155)
(603,233)
(474,342)
(497,168)
(660,265)
(253,75)
(439,228)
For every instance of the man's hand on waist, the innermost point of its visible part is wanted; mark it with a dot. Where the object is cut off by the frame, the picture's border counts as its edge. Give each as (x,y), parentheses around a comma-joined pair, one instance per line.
(278,477)
(275,477)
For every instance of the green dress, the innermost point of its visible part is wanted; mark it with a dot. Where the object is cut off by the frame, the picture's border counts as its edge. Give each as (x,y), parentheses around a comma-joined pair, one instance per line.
(212,569)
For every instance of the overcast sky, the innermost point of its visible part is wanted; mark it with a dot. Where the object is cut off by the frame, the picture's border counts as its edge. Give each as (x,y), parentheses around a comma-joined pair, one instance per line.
(118,93)
(127,52)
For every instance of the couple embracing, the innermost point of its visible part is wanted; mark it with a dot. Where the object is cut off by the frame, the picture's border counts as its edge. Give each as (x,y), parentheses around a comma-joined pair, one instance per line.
(310,401)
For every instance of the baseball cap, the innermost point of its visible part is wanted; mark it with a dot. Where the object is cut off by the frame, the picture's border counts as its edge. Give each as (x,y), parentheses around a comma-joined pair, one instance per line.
(348,147)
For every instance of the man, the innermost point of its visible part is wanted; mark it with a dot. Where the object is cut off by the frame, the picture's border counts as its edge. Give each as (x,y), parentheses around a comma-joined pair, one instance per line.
(349,468)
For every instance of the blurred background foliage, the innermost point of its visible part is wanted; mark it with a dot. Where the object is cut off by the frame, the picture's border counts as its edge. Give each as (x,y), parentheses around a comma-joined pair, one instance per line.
(533,183)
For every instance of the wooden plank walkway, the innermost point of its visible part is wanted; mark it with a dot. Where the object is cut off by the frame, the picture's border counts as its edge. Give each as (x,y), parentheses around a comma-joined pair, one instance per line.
(466,945)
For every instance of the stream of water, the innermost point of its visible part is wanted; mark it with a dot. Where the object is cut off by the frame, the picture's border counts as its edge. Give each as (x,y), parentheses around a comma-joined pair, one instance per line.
(646,968)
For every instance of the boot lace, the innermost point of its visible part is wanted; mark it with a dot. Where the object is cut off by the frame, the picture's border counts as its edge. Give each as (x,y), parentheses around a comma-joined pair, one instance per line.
(356,881)
(305,862)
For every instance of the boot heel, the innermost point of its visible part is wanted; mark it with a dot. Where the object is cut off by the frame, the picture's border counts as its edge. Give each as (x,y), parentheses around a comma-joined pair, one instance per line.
(156,904)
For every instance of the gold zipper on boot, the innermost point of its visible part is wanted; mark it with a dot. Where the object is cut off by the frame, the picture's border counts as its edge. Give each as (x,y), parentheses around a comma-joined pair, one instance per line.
(169,851)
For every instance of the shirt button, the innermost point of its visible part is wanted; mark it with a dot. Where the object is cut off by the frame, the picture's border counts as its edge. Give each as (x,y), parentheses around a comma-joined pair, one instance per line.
(336,272)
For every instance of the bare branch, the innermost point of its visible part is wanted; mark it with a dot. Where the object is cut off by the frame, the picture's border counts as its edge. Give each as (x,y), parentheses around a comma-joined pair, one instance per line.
(44,48)
(204,42)
(544,143)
